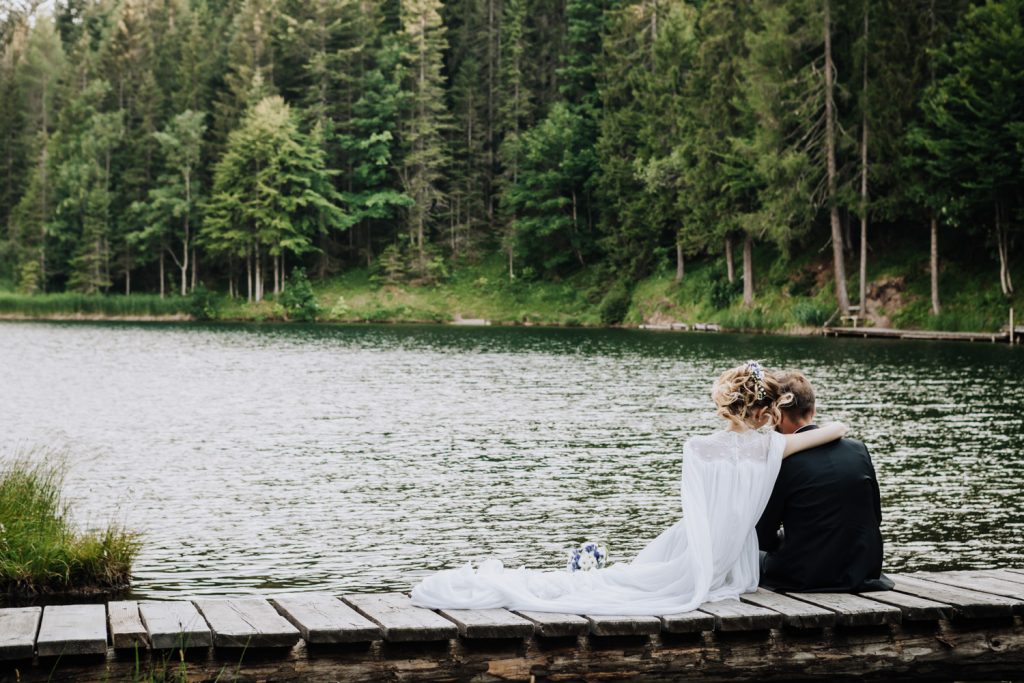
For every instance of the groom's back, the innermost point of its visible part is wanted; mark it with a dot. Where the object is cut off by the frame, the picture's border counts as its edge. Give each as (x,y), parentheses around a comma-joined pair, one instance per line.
(827,500)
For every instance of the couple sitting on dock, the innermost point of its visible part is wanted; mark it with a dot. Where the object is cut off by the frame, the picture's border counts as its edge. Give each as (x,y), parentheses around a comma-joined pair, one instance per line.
(739,485)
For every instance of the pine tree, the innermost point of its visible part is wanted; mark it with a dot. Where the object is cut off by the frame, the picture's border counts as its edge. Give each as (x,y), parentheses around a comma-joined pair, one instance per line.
(426,119)
(513,111)
(172,206)
(790,91)
(974,115)
(271,193)
(38,75)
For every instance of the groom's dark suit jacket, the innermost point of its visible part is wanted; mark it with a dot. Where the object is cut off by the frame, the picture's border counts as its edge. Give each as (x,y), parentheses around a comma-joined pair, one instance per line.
(827,501)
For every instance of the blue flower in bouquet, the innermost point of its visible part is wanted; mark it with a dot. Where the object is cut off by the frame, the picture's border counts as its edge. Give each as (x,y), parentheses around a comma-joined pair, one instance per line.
(587,557)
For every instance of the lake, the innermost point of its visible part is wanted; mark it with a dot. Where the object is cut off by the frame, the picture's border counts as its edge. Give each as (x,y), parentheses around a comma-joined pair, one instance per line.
(258,459)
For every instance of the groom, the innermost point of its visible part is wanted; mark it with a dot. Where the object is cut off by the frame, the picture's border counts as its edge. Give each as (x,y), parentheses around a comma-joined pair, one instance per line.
(826,500)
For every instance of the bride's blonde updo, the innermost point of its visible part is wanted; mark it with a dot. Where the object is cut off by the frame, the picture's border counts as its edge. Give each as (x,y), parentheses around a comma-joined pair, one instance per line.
(749,397)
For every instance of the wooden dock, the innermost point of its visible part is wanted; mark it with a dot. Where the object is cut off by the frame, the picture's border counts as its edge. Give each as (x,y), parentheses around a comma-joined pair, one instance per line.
(889,333)
(959,625)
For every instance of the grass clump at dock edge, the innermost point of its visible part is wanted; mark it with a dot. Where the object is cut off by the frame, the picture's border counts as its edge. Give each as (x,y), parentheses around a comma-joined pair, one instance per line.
(40,550)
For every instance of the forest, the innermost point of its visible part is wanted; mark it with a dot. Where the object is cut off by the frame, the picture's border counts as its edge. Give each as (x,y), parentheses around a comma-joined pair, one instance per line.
(161,146)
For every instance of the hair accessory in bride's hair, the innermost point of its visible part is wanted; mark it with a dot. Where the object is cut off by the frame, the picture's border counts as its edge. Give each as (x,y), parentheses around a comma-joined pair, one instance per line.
(758,374)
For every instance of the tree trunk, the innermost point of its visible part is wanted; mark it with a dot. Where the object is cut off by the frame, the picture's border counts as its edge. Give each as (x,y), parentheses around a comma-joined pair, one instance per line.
(248,276)
(184,271)
(862,295)
(1003,247)
(830,154)
(277,274)
(730,269)
(748,271)
(284,279)
(680,266)
(258,268)
(195,270)
(934,263)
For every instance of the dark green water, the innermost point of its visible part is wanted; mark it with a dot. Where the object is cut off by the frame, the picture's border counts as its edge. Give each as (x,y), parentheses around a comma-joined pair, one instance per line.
(357,458)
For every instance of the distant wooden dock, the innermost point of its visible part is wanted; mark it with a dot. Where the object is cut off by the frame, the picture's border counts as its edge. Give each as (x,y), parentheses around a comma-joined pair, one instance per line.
(889,333)
(959,625)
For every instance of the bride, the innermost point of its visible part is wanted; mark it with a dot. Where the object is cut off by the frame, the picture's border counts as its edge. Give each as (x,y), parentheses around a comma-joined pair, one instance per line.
(709,554)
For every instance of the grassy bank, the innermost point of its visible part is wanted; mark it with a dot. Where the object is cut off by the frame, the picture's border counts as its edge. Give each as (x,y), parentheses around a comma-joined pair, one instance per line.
(71,305)
(40,550)
(791,295)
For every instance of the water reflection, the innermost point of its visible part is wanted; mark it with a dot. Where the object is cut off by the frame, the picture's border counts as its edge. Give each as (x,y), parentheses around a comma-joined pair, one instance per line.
(258,459)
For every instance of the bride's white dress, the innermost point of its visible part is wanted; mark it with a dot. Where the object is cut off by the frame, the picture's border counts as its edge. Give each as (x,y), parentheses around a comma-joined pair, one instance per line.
(709,554)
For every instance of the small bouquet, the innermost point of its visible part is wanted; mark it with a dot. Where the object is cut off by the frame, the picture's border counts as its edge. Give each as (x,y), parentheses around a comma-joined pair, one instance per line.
(588,556)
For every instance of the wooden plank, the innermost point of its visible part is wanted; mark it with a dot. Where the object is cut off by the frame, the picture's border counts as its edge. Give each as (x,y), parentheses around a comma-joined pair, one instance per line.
(322,618)
(853,610)
(126,629)
(1007,575)
(733,615)
(400,620)
(687,622)
(795,613)
(605,625)
(913,607)
(488,623)
(977,581)
(72,630)
(18,627)
(966,604)
(175,624)
(246,622)
(555,625)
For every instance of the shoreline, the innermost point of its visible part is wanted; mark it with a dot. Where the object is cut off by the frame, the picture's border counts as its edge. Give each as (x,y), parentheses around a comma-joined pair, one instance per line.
(701,328)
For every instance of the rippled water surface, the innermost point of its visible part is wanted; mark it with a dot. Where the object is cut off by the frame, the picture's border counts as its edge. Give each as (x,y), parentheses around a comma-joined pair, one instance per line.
(257,459)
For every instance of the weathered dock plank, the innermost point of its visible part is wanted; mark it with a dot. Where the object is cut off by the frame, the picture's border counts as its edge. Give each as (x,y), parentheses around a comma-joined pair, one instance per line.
(174,625)
(977,581)
(322,618)
(1006,575)
(966,604)
(853,610)
(687,622)
(72,630)
(247,622)
(555,625)
(733,615)
(126,629)
(18,627)
(795,613)
(605,625)
(913,607)
(400,620)
(489,623)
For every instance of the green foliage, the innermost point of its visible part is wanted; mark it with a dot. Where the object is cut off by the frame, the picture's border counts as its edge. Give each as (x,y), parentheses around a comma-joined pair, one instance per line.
(811,313)
(74,304)
(722,293)
(271,189)
(203,304)
(567,137)
(615,305)
(298,298)
(40,549)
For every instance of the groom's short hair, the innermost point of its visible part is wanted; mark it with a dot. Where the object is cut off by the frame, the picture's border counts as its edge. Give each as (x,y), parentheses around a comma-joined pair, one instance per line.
(794,382)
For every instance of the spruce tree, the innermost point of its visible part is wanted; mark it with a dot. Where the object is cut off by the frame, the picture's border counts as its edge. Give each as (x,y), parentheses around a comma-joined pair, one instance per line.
(272,192)
(425,120)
